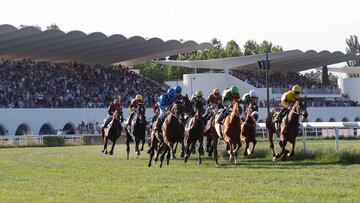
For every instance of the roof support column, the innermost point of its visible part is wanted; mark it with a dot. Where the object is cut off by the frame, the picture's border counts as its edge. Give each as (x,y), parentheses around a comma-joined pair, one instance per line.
(325,75)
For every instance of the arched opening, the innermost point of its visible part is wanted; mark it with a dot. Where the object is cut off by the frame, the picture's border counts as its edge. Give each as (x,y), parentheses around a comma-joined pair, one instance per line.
(46,129)
(357,119)
(23,129)
(332,120)
(345,120)
(318,120)
(69,129)
(2,130)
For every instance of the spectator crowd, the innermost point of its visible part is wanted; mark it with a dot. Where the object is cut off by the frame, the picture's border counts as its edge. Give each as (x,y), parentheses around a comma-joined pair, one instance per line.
(29,84)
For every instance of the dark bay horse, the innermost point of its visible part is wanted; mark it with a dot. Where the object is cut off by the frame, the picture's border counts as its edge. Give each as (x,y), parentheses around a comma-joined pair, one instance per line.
(136,130)
(194,133)
(248,129)
(172,132)
(290,128)
(112,132)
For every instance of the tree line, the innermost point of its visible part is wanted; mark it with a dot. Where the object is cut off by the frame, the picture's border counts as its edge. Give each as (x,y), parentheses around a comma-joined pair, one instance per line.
(163,73)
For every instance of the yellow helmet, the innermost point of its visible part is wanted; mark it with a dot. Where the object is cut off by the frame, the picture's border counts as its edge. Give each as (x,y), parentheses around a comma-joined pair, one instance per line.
(138,97)
(199,93)
(296,88)
(216,91)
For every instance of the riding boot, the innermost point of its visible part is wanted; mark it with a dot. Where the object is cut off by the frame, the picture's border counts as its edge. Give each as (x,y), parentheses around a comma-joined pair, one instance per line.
(222,116)
(107,122)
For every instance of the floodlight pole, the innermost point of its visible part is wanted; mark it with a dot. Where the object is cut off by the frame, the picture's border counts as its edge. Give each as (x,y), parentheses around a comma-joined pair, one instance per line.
(267,67)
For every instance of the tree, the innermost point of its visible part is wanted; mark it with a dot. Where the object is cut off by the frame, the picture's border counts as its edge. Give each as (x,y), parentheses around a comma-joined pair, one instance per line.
(353,46)
(264,47)
(232,49)
(314,76)
(251,47)
(53,27)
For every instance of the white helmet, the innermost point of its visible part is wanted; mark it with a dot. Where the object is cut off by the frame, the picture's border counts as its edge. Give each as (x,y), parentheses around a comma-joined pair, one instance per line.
(252,93)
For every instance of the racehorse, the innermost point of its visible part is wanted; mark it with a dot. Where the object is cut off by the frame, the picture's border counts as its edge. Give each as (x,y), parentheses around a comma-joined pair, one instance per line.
(112,132)
(193,133)
(209,130)
(229,131)
(248,129)
(290,128)
(136,130)
(172,131)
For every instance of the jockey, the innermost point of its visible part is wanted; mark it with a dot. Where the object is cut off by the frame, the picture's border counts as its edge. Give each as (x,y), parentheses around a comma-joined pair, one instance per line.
(178,90)
(214,101)
(229,95)
(198,97)
(250,98)
(287,100)
(134,104)
(166,101)
(115,105)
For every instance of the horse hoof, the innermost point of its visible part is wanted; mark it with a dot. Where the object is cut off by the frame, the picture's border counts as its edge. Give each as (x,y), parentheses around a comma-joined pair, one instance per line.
(138,153)
(142,149)
(274,158)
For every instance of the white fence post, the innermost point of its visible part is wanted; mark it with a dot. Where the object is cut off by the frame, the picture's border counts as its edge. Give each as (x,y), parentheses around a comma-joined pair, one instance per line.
(303,137)
(337,139)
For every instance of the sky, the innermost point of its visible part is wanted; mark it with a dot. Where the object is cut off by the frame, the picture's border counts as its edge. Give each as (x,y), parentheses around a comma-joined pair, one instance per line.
(293,24)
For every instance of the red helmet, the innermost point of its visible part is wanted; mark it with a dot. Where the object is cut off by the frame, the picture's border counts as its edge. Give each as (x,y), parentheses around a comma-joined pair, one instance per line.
(117,102)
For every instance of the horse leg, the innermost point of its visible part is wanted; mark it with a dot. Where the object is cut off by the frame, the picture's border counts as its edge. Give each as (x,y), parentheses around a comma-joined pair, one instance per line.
(172,154)
(292,153)
(271,133)
(201,152)
(187,151)
(215,147)
(201,145)
(137,150)
(142,144)
(151,152)
(183,148)
(112,148)
(283,153)
(246,148)
(253,148)
(127,148)
(164,150)
(168,155)
(105,145)
(232,158)
(159,151)
(174,151)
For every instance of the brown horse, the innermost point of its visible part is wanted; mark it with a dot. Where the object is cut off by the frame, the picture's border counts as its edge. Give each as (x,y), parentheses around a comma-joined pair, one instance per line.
(112,132)
(271,128)
(290,128)
(194,133)
(172,132)
(230,132)
(136,131)
(248,129)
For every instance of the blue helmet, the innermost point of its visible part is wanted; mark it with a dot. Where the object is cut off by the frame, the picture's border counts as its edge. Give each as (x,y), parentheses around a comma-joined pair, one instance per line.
(177,89)
(171,92)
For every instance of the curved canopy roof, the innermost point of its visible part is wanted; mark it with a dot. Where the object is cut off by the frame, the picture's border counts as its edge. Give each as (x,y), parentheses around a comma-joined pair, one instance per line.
(57,46)
(292,61)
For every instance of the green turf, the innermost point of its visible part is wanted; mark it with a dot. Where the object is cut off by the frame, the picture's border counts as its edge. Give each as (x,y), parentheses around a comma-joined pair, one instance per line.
(82,173)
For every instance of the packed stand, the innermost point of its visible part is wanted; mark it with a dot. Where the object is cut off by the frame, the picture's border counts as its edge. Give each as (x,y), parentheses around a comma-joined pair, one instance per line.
(317,102)
(29,84)
(280,82)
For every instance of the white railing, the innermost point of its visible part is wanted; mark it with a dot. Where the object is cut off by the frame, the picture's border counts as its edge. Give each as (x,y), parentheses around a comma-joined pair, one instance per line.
(261,126)
(331,125)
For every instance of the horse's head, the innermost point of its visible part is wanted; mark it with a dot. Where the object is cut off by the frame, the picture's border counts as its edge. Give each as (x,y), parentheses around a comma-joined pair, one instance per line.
(252,110)
(300,108)
(187,105)
(141,109)
(177,109)
(116,115)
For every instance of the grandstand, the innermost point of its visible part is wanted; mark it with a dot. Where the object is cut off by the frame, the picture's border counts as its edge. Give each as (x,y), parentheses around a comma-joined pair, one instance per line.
(43,90)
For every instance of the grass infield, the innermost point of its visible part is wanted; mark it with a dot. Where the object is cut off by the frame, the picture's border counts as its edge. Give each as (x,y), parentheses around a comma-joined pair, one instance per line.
(82,173)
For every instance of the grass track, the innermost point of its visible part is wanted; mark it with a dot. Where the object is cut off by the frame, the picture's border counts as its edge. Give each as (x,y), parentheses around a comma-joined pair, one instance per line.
(82,173)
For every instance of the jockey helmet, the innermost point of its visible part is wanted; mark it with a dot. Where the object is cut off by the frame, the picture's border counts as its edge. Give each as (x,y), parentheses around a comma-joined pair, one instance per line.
(117,102)
(234,90)
(178,89)
(296,88)
(138,97)
(216,91)
(171,92)
(199,93)
(252,93)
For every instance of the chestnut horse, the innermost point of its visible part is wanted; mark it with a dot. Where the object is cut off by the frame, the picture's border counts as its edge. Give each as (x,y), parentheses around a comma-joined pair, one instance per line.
(112,132)
(230,132)
(136,130)
(248,129)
